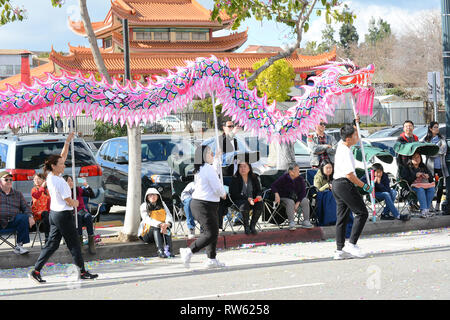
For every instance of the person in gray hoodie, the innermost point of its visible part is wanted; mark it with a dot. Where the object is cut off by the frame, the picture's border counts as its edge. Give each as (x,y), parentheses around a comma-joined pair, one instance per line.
(156,223)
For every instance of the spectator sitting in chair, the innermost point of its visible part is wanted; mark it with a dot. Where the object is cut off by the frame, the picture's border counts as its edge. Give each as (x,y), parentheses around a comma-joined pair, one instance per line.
(324,176)
(41,202)
(245,191)
(15,213)
(290,189)
(186,197)
(421,181)
(83,215)
(156,223)
(383,191)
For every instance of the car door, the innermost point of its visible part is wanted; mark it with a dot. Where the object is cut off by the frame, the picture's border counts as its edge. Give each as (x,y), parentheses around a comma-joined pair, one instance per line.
(107,154)
(120,169)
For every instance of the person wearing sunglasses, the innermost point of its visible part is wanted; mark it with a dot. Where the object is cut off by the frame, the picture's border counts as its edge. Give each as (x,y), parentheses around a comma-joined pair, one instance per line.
(15,213)
(322,146)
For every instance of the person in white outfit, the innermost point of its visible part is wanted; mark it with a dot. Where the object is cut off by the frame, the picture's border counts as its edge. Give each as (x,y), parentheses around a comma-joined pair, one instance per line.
(207,193)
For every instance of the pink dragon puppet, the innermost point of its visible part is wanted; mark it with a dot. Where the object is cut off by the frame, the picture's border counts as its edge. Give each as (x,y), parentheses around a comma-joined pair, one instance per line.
(70,95)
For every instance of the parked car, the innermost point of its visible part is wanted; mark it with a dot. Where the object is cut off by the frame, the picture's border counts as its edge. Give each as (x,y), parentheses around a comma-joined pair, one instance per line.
(386,132)
(94,145)
(156,172)
(250,143)
(172,123)
(24,155)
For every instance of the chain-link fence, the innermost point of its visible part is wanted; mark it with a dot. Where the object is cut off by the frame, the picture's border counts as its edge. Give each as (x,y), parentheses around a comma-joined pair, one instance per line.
(380,117)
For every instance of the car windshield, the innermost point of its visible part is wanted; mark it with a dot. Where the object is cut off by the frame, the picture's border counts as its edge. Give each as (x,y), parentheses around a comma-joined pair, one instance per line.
(160,150)
(242,146)
(32,156)
(420,132)
(393,132)
(301,149)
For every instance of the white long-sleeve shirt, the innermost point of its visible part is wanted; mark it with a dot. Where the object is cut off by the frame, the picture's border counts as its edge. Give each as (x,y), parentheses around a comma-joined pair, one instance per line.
(208,186)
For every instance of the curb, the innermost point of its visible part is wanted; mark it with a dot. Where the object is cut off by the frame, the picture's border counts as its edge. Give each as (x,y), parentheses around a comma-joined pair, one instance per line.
(226,240)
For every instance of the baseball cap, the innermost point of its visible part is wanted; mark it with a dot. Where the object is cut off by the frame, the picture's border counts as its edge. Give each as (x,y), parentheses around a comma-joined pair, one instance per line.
(5,174)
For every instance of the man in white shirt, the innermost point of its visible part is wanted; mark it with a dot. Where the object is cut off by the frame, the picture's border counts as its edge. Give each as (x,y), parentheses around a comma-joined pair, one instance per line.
(347,195)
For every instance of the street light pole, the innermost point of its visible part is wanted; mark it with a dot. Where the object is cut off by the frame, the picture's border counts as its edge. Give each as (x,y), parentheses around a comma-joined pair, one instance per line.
(445,10)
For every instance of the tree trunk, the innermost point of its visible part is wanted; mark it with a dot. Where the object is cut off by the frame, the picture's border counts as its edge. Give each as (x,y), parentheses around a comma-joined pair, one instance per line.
(132,215)
(134,192)
(93,42)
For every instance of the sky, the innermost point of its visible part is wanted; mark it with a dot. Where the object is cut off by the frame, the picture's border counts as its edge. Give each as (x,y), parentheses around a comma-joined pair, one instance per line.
(47,26)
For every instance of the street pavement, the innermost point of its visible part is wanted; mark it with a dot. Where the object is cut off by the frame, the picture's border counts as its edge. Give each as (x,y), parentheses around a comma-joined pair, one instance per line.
(406,265)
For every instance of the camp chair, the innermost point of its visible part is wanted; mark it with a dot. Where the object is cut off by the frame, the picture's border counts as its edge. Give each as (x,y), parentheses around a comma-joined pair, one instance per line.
(266,179)
(177,205)
(235,214)
(7,234)
(38,233)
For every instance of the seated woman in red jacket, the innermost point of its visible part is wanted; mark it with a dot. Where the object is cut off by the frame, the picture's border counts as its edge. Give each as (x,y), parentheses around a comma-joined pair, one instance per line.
(41,202)
(83,215)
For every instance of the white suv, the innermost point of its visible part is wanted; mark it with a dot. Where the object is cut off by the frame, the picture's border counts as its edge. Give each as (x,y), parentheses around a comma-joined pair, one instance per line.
(24,155)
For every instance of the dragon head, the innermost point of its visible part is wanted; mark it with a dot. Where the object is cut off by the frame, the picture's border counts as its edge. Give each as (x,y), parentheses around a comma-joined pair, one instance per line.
(345,76)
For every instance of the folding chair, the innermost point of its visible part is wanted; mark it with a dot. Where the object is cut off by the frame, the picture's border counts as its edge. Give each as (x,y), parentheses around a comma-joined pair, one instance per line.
(234,213)
(38,233)
(7,234)
(177,206)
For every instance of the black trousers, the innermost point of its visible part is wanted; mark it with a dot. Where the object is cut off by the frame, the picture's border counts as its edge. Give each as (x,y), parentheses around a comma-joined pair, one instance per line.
(440,191)
(348,199)
(205,213)
(62,224)
(245,207)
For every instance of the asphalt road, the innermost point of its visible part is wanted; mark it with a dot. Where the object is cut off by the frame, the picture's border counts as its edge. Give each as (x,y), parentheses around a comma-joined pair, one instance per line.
(411,265)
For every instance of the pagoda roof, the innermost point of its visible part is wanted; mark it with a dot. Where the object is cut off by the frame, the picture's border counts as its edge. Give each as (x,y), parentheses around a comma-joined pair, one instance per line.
(169,12)
(159,62)
(215,44)
(154,13)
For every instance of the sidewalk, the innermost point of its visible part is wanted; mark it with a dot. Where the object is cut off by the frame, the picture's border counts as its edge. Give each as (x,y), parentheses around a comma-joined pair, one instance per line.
(111,248)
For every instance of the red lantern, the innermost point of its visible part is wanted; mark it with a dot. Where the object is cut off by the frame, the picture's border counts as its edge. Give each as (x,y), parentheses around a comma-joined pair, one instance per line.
(303,75)
(136,77)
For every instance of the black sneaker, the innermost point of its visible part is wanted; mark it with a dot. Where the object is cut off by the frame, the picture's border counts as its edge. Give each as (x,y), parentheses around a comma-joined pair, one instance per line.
(387,217)
(405,217)
(87,276)
(36,276)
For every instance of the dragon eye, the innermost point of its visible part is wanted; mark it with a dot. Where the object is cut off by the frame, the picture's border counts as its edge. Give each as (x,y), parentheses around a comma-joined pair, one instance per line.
(350,69)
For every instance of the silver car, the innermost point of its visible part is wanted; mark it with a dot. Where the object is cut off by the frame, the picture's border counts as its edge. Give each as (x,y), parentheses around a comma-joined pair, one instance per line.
(24,156)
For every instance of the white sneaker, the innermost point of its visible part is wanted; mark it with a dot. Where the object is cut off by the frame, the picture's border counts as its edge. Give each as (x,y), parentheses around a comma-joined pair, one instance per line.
(354,250)
(186,255)
(214,263)
(341,255)
(18,249)
(307,224)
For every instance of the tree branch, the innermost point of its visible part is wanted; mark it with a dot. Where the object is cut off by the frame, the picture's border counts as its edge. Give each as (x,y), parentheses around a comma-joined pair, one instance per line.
(285,54)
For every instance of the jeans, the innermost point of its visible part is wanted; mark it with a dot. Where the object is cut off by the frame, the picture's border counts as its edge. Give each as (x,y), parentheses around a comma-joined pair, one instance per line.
(348,199)
(21,225)
(62,224)
(389,198)
(187,211)
(85,220)
(425,197)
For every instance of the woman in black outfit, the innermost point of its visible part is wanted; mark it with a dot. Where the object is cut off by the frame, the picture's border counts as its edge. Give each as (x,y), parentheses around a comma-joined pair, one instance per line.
(246,193)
